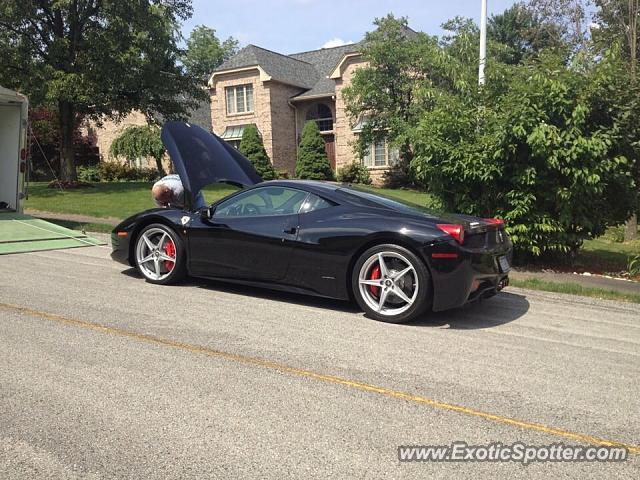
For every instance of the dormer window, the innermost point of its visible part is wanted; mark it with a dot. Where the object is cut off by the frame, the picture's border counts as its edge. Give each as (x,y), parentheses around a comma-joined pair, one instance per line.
(239,99)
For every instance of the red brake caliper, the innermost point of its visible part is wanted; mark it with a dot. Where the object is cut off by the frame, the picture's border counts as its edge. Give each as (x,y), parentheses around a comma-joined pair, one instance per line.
(170,250)
(375,275)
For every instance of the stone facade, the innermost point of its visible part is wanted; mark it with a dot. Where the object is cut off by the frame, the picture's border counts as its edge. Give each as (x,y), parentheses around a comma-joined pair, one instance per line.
(108,130)
(345,137)
(272,114)
(283,126)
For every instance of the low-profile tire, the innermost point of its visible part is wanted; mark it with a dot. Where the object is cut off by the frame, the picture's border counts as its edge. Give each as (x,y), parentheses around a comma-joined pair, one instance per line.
(159,255)
(391,284)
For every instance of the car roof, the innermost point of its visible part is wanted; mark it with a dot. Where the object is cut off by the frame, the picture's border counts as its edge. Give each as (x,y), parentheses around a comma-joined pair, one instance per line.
(315,186)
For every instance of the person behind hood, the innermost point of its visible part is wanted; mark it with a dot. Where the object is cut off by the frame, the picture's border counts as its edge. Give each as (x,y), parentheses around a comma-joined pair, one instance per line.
(169,192)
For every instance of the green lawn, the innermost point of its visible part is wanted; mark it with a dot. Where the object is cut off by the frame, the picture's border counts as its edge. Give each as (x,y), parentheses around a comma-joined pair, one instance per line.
(117,200)
(120,200)
(607,254)
(574,289)
(419,198)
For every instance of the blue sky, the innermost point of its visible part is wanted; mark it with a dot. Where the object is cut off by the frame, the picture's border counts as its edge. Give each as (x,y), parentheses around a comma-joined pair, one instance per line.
(289,26)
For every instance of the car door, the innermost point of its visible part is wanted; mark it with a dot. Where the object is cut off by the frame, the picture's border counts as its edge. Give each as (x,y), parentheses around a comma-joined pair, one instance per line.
(248,236)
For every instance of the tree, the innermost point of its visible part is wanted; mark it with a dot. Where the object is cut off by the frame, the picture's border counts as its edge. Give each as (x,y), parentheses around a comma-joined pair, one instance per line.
(561,23)
(541,153)
(618,22)
(251,146)
(313,163)
(96,59)
(385,92)
(519,34)
(205,52)
(139,142)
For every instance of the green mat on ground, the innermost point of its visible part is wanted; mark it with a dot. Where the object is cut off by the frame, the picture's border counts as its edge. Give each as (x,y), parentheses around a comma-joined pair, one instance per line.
(22,233)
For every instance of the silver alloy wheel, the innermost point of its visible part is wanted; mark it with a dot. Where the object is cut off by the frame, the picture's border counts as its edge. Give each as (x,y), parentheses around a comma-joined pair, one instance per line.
(151,254)
(388,283)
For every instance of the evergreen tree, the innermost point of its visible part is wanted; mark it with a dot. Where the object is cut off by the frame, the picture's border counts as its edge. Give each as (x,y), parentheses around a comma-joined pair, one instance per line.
(251,146)
(313,163)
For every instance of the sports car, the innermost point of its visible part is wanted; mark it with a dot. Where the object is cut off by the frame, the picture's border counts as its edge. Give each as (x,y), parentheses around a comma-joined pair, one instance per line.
(334,240)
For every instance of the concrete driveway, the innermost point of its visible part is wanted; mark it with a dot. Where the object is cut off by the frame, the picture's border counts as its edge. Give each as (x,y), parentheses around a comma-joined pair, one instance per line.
(105,376)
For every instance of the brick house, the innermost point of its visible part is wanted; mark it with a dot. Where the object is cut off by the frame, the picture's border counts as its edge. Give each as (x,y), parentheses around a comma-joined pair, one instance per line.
(279,93)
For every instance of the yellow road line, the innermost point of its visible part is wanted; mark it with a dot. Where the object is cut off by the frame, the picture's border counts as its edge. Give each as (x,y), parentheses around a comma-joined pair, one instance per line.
(366,387)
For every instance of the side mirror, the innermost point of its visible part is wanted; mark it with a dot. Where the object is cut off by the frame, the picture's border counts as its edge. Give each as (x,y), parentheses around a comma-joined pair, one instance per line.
(206,213)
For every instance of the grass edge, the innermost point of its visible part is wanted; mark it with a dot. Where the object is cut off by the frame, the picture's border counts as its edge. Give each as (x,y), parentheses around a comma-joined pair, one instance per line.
(574,289)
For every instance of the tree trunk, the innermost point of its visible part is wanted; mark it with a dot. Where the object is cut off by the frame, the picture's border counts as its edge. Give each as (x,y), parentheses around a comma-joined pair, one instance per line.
(631,228)
(66,121)
(160,167)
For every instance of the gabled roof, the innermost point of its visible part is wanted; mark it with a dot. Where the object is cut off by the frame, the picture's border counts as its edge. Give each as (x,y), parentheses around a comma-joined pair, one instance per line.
(307,70)
(324,60)
(279,67)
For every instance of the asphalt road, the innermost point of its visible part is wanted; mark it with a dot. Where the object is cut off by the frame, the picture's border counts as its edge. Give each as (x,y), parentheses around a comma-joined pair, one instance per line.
(105,376)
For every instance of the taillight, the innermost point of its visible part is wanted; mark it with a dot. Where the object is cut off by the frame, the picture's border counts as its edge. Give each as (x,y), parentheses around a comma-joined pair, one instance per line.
(494,221)
(456,231)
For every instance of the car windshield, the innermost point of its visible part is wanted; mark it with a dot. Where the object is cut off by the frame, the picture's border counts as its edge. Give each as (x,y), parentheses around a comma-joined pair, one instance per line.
(217,191)
(387,201)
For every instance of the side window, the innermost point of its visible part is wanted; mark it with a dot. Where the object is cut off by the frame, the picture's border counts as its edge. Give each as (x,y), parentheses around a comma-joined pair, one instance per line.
(266,201)
(314,202)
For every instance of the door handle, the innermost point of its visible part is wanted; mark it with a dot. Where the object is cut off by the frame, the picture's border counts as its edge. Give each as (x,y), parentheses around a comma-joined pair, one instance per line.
(291,231)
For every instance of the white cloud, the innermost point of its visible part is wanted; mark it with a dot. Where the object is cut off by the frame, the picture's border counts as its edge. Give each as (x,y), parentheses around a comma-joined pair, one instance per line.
(336,42)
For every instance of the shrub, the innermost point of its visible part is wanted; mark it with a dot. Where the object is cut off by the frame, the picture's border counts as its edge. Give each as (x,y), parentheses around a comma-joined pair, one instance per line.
(88,174)
(251,146)
(118,172)
(139,141)
(313,163)
(354,173)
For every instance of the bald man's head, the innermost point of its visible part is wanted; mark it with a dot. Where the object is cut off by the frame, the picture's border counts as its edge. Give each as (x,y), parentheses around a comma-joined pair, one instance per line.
(162,194)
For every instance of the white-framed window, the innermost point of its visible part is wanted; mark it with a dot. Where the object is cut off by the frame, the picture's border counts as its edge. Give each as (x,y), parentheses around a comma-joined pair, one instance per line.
(380,154)
(239,98)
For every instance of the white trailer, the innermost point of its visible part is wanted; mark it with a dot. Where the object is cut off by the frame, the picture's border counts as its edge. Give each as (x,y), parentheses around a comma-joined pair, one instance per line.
(13,149)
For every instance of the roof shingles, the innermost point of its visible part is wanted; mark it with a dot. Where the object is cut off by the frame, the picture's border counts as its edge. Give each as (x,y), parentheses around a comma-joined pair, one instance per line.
(307,70)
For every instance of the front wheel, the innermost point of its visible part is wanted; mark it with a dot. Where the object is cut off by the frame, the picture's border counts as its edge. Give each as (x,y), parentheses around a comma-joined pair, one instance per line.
(160,255)
(391,284)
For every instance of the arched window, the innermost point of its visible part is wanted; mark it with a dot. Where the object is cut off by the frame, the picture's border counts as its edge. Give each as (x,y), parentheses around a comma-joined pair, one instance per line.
(322,115)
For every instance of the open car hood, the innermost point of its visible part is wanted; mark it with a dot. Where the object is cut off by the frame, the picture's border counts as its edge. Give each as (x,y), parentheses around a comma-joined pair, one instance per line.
(201,158)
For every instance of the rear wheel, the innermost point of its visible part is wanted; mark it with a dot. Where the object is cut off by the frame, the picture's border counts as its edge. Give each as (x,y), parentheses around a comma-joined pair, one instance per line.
(160,255)
(391,284)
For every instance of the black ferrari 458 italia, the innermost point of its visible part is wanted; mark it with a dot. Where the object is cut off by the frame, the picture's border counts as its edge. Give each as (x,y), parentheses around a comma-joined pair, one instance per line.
(319,238)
